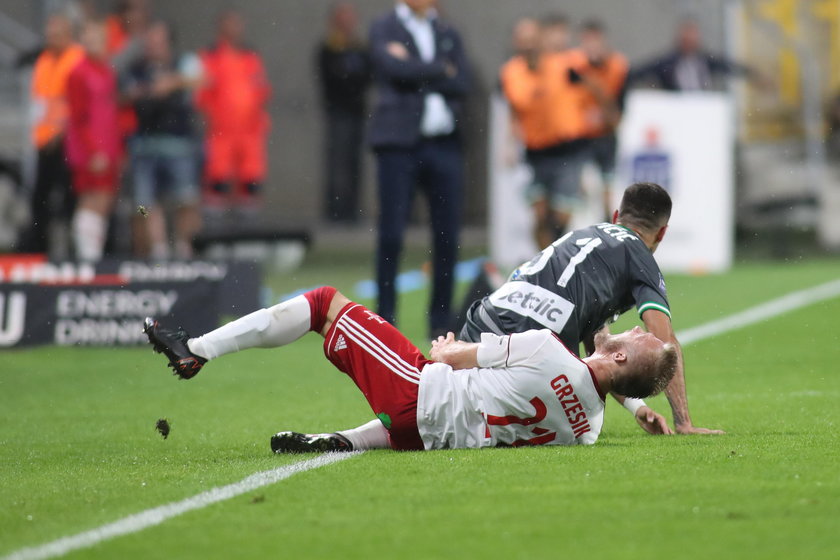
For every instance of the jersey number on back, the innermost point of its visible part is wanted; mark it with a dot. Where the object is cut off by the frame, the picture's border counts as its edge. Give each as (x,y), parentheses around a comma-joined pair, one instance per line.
(537,264)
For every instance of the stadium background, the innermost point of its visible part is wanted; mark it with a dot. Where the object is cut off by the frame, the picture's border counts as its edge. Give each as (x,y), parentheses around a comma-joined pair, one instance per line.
(79,450)
(287,33)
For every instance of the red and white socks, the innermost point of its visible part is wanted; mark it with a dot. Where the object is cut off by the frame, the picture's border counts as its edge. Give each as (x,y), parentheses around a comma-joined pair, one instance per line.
(267,328)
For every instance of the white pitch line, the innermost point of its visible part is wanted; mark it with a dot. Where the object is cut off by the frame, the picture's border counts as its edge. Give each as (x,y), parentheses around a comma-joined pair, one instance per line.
(156,516)
(761,312)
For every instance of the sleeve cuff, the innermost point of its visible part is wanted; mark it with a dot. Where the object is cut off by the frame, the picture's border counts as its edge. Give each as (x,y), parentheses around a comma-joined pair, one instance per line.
(653,305)
(492,350)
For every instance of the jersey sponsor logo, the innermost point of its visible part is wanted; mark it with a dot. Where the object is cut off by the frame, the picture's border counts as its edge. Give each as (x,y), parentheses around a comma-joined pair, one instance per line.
(571,405)
(543,306)
(617,232)
(340,343)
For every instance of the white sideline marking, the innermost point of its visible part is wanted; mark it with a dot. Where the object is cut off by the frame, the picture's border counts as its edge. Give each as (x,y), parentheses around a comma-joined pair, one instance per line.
(156,516)
(766,310)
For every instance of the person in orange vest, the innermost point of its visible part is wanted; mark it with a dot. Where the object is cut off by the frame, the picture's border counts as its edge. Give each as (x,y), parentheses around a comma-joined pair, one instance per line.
(233,98)
(49,101)
(546,97)
(93,143)
(604,73)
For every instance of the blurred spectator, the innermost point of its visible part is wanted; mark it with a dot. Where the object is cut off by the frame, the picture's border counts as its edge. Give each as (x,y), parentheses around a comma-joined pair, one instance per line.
(422,78)
(688,67)
(233,98)
(126,29)
(604,74)
(49,100)
(547,100)
(344,70)
(555,33)
(93,142)
(163,151)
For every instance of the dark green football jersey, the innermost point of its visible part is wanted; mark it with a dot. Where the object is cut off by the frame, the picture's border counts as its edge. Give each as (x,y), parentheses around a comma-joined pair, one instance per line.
(573,287)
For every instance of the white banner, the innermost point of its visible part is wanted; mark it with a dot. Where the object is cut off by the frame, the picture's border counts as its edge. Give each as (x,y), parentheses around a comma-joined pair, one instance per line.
(684,142)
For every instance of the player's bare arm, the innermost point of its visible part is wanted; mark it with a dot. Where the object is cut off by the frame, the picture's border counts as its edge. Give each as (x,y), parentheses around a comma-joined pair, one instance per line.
(659,324)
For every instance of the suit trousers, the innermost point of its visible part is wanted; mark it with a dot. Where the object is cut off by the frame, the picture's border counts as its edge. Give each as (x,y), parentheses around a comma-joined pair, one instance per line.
(435,165)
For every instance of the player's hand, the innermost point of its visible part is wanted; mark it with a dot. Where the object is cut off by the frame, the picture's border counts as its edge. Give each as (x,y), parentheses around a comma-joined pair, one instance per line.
(437,353)
(653,423)
(98,163)
(688,429)
(397,50)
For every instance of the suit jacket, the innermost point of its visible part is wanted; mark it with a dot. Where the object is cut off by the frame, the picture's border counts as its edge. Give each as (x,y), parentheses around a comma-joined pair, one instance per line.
(664,70)
(403,84)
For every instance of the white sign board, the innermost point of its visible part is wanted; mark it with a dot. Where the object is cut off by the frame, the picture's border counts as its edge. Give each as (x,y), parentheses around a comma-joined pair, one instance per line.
(684,142)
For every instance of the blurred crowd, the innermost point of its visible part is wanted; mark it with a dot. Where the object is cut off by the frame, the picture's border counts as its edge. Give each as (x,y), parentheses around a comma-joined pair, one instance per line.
(120,108)
(118,104)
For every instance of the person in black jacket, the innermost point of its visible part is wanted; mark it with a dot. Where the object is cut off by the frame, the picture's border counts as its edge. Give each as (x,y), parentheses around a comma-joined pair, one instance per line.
(344,71)
(422,77)
(689,67)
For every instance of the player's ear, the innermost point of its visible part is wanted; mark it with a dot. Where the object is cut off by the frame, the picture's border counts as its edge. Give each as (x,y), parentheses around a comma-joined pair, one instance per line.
(615,216)
(661,233)
(620,357)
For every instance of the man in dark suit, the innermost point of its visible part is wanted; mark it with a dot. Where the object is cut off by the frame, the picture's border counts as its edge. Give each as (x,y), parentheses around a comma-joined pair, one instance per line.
(689,67)
(422,77)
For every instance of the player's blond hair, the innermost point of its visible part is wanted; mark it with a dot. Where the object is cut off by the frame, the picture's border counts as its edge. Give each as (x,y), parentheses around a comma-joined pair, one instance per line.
(646,374)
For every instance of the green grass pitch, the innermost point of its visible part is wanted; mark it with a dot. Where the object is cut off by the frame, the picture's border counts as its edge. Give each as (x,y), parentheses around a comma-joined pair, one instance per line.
(78,449)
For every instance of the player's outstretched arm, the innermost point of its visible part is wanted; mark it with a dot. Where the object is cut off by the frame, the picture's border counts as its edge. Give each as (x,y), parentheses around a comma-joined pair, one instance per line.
(458,354)
(650,421)
(659,324)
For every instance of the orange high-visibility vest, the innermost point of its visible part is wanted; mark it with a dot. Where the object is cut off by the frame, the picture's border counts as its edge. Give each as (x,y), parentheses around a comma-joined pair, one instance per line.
(49,89)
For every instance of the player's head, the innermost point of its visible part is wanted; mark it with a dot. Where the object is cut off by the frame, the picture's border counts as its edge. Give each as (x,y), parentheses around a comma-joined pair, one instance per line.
(643,364)
(646,208)
(231,26)
(593,41)
(58,32)
(94,39)
(689,36)
(526,37)
(555,33)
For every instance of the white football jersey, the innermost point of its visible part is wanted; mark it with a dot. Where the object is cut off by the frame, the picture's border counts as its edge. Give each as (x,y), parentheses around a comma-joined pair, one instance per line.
(528,390)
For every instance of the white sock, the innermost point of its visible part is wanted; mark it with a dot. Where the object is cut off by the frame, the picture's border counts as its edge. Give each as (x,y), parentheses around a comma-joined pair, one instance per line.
(372,435)
(266,328)
(89,235)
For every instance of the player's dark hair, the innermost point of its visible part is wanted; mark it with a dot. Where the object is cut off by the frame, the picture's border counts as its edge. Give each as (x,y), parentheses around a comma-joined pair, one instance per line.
(550,20)
(645,205)
(593,26)
(646,376)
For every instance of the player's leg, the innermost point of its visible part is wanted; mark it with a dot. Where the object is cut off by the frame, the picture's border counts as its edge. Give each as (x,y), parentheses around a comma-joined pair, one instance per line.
(219,167)
(537,194)
(566,185)
(385,366)
(275,326)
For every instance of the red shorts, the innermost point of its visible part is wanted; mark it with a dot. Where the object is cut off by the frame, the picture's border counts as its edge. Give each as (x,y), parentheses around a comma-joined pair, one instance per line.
(384,364)
(85,180)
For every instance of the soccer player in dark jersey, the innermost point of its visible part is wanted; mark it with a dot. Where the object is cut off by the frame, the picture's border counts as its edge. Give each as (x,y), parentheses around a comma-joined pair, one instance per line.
(575,287)
(585,279)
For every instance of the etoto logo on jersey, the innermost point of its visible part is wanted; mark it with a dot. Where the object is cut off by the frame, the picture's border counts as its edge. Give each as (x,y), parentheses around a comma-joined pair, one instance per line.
(543,306)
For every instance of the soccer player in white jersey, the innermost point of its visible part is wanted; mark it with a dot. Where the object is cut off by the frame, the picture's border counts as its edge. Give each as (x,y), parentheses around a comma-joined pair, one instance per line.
(512,390)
